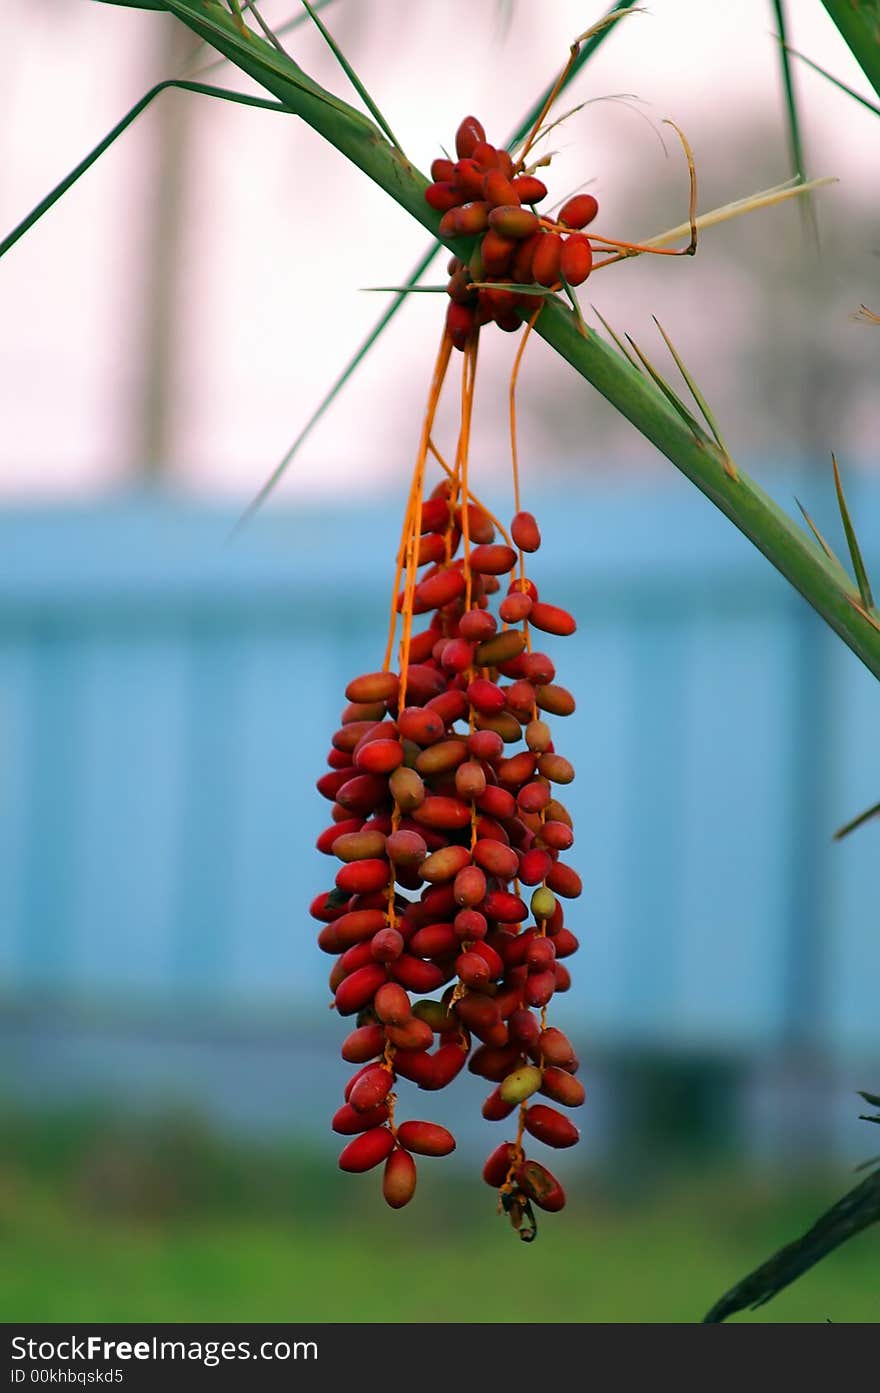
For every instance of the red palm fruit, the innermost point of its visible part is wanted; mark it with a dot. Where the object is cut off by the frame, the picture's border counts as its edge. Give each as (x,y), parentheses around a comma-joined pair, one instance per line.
(442,195)
(329,784)
(417,976)
(505,162)
(578,211)
(525,532)
(509,996)
(539,987)
(530,189)
(500,648)
(362,793)
(510,220)
(424,682)
(479,1013)
(432,549)
(355,1077)
(469,887)
(329,941)
(467,176)
(517,770)
(523,1026)
(426,1138)
(491,958)
(437,902)
(541,952)
(367,1150)
(363,711)
(360,877)
(556,1048)
(422,644)
(485,744)
(493,560)
(564,880)
(387,945)
(496,858)
(557,700)
(476,625)
(498,190)
(552,619)
(407,789)
(442,170)
(406,848)
(521,268)
(577,259)
(380,730)
(550,1126)
(446,813)
(399,1179)
(358,990)
(523,585)
(497,253)
(460,291)
(533,866)
(470,925)
(349,1122)
(557,812)
(421,725)
(499,803)
(562,976)
(506,908)
(435,515)
(520,696)
(456,655)
(347,736)
(494,1062)
(392,1004)
(514,608)
(431,1071)
(547,260)
(358,925)
(555,768)
(450,705)
(485,696)
(469,134)
(371,1089)
(498,1164)
(565,943)
(494,1108)
(362,1044)
(472,970)
(442,757)
(485,155)
(358,846)
(541,1186)
(373,686)
(445,864)
(337,829)
(434,941)
(414,1035)
(359,955)
(470,780)
(562,1088)
(460,323)
(338,759)
(533,797)
(481,528)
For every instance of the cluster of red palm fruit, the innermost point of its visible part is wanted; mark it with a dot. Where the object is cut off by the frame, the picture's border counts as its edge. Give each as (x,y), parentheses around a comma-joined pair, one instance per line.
(483,194)
(439,825)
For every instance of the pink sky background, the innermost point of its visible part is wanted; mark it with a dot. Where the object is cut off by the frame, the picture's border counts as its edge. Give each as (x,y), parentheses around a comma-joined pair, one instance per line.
(281,232)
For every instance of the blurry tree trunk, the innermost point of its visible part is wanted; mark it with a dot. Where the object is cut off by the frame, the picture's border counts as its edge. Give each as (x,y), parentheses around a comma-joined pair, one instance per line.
(164,201)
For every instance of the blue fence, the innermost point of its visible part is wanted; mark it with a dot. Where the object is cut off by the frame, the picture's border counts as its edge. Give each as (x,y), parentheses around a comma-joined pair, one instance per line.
(166,702)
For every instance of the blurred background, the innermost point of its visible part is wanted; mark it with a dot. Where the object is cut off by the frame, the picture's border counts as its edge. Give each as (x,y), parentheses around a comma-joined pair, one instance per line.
(167,1062)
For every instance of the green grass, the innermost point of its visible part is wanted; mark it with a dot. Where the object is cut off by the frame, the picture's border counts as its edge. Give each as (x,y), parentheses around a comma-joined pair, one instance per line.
(171,1227)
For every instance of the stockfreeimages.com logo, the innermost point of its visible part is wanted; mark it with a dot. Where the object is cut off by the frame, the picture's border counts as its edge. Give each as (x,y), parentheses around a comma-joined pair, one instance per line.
(94,1348)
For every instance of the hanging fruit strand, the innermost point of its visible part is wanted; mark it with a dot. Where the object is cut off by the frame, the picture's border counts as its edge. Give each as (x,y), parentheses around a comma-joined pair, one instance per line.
(446,917)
